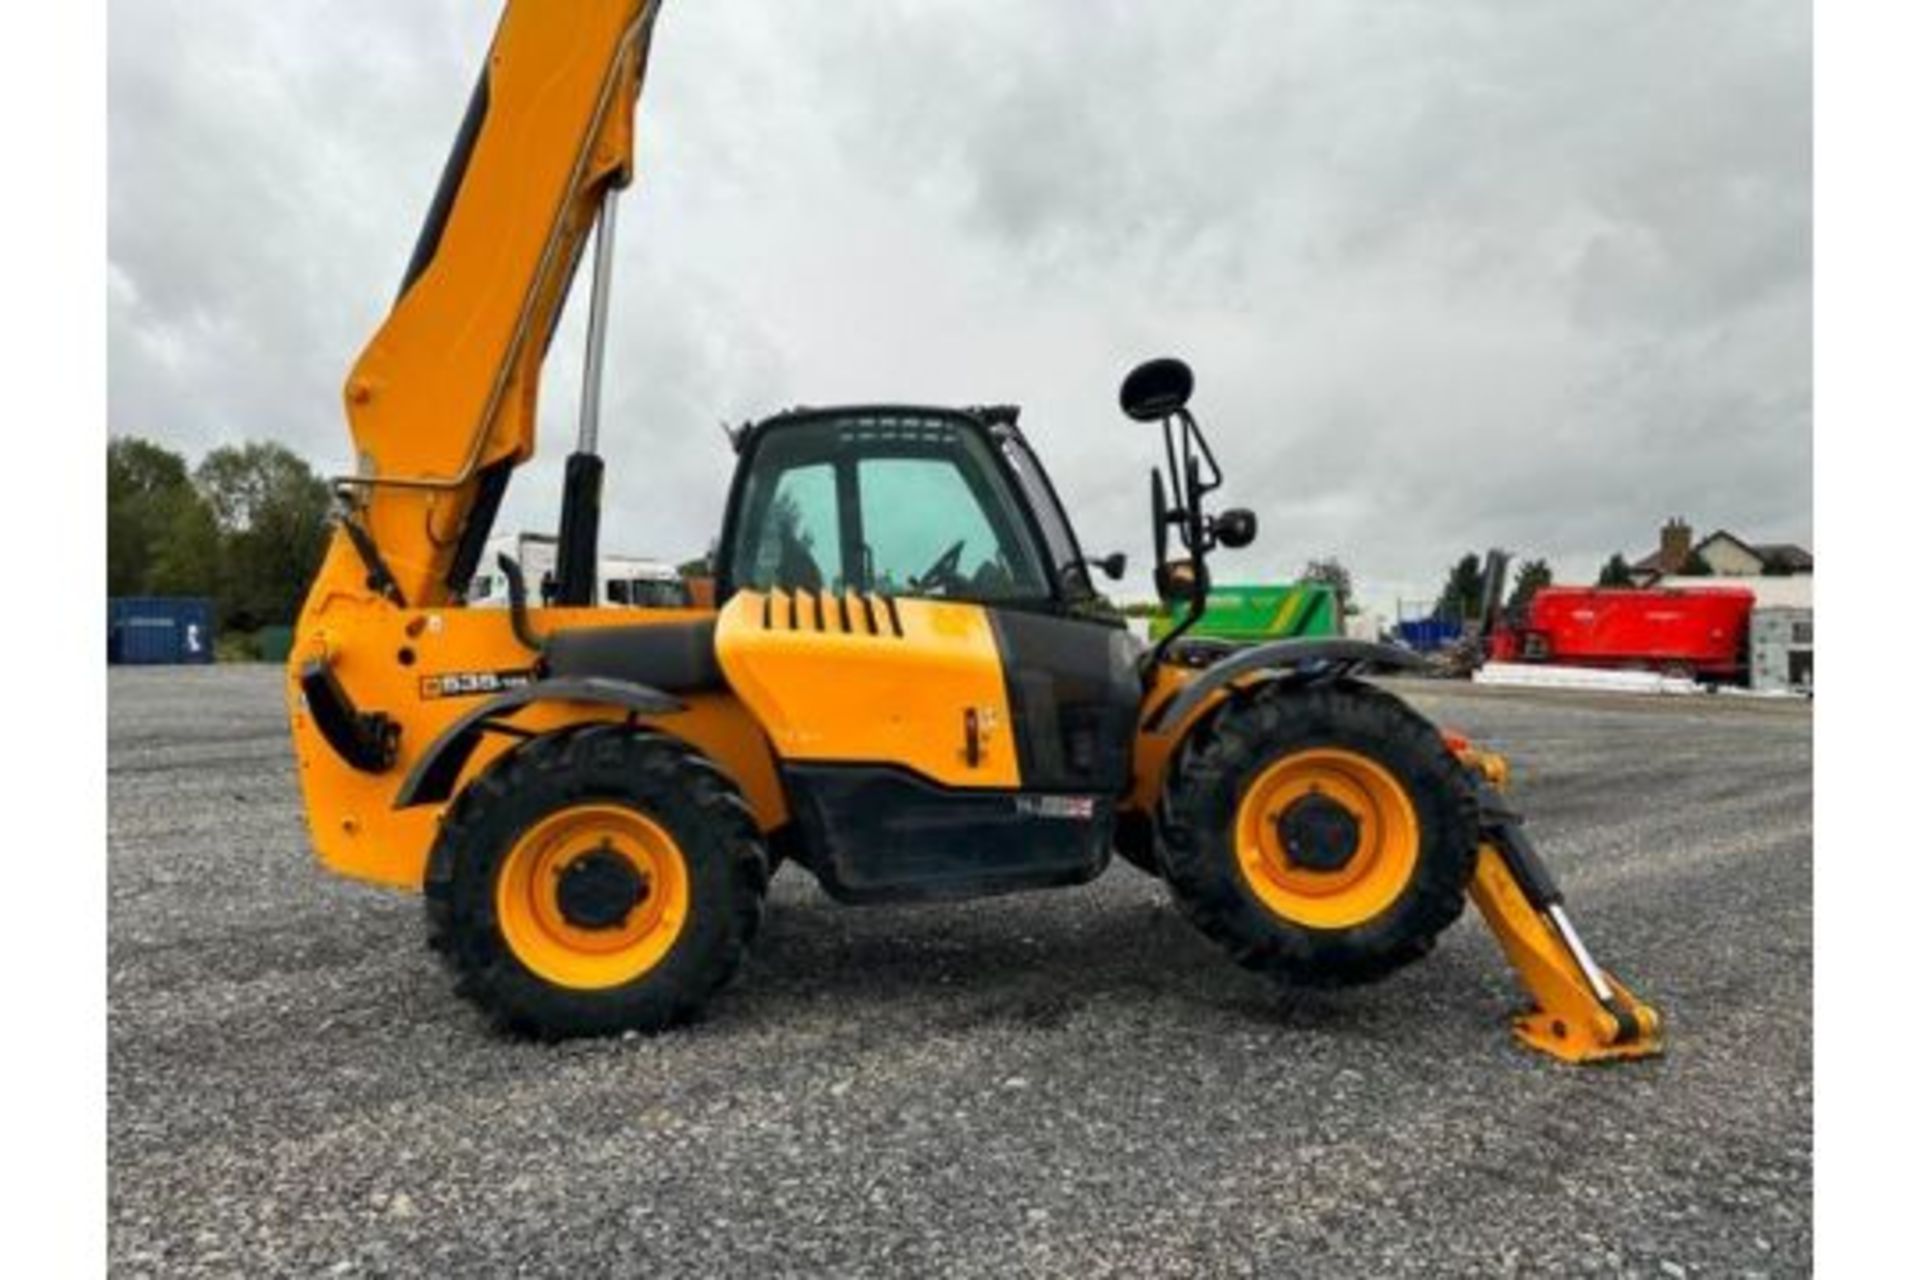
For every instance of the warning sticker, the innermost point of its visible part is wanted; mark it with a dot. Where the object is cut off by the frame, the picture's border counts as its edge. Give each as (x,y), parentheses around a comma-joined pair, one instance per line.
(1073,808)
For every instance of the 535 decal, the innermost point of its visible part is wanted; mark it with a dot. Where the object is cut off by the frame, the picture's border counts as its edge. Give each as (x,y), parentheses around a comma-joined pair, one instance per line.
(468,684)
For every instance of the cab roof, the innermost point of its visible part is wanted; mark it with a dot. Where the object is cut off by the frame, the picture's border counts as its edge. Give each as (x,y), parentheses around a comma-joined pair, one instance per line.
(1006,416)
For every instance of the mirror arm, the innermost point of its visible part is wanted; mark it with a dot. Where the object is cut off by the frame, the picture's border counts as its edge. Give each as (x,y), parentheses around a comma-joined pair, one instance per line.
(1190,485)
(1160,389)
(1195,449)
(1196,605)
(1113,565)
(1175,475)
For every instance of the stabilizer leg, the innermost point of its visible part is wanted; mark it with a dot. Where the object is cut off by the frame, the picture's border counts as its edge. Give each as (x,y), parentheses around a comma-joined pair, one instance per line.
(1581,1012)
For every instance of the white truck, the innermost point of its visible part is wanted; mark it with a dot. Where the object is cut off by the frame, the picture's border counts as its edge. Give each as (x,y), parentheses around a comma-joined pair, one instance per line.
(622,580)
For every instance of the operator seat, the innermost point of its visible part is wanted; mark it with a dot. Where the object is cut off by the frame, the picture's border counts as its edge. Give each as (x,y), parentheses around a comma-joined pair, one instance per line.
(674,657)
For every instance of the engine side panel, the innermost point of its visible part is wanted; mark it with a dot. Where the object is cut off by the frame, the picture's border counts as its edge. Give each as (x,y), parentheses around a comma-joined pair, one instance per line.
(869,679)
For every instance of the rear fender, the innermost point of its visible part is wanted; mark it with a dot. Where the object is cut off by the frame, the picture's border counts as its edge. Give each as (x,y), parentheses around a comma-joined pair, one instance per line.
(438,768)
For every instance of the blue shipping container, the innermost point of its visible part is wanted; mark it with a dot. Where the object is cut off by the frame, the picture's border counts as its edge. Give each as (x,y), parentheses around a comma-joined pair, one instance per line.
(159,629)
(1425,635)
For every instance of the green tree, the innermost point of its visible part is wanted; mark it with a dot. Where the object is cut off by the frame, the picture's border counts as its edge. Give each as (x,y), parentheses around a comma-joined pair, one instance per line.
(157,524)
(1460,597)
(1329,572)
(271,513)
(1529,578)
(187,561)
(1616,572)
(1696,566)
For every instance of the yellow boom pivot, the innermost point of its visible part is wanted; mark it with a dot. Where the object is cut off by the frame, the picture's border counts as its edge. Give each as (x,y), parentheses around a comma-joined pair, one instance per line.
(1580,1013)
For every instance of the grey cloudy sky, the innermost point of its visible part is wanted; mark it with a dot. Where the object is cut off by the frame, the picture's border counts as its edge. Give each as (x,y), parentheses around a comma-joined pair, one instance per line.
(1451,273)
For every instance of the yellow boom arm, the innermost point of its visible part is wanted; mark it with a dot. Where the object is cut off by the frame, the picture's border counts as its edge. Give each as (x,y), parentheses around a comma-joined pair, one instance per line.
(441,402)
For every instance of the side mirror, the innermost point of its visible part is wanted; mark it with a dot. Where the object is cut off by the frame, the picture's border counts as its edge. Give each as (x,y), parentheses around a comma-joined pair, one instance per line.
(1235,527)
(1114,566)
(1157,389)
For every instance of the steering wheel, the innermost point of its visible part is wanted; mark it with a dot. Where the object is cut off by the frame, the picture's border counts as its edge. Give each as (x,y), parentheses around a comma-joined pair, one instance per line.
(944,572)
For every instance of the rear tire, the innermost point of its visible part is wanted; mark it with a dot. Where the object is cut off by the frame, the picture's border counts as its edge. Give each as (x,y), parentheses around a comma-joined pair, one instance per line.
(680,875)
(1409,834)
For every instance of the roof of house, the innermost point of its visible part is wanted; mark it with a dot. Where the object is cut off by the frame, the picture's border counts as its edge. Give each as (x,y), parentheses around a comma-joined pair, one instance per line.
(1785,555)
(1788,557)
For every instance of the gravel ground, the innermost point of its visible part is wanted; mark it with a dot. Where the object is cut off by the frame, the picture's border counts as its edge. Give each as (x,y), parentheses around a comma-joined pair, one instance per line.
(1055,1083)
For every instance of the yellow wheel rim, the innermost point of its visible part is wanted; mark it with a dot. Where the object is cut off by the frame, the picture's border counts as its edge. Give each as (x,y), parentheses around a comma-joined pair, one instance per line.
(1383,848)
(528,897)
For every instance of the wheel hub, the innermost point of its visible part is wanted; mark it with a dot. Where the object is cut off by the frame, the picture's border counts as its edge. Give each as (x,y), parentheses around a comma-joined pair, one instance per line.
(600,889)
(1318,833)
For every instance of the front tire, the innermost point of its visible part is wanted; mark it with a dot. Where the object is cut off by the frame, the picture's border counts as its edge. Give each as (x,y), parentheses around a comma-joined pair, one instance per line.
(1322,835)
(596,880)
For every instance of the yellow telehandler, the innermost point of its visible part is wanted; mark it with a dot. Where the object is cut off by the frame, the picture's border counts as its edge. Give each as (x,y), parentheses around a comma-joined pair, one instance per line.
(908,685)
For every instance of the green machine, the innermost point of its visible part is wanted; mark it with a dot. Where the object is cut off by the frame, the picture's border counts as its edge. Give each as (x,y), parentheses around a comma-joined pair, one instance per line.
(1275,611)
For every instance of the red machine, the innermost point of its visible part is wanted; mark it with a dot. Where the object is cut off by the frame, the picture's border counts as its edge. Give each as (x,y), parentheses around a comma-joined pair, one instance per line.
(1699,634)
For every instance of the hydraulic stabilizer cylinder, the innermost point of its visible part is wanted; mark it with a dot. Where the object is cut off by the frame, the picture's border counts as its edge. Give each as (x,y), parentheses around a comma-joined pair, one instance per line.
(578,553)
(1580,1013)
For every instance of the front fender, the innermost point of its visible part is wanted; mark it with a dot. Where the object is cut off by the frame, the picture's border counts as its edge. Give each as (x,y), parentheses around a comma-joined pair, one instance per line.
(1331,656)
(438,768)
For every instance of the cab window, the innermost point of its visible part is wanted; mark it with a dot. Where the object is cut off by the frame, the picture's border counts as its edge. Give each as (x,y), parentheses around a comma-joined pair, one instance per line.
(928,533)
(907,506)
(1062,549)
(798,542)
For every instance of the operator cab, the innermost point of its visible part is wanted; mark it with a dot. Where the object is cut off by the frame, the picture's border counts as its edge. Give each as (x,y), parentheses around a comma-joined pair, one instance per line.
(898,500)
(835,511)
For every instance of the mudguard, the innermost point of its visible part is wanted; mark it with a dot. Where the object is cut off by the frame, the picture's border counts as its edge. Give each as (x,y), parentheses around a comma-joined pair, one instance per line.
(1332,656)
(433,775)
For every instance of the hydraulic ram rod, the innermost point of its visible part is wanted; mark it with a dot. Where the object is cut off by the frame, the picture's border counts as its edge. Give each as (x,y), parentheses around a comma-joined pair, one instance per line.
(576,577)
(597,324)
